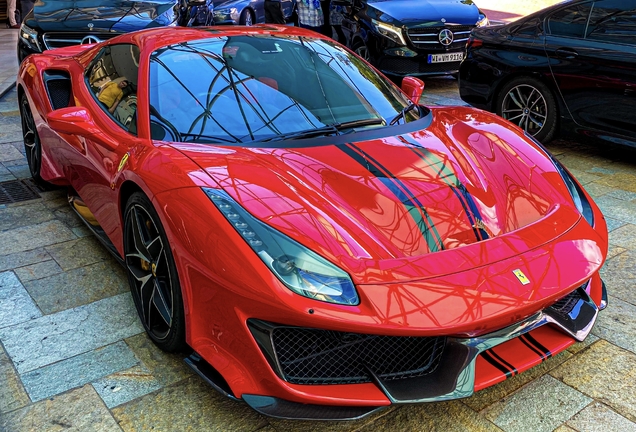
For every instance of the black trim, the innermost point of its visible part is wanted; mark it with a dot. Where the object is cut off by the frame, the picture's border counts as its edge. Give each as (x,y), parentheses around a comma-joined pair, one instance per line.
(490,359)
(532,348)
(210,375)
(546,352)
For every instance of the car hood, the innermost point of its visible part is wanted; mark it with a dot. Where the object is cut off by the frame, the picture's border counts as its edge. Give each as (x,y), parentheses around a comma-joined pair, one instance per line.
(464,192)
(425,12)
(113,16)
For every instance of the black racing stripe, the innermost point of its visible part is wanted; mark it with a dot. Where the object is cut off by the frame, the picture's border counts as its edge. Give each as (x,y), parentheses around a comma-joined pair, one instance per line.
(532,347)
(400,190)
(504,362)
(546,352)
(486,355)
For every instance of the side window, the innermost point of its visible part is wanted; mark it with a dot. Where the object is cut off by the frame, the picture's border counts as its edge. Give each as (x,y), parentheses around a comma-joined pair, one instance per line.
(113,80)
(613,21)
(570,21)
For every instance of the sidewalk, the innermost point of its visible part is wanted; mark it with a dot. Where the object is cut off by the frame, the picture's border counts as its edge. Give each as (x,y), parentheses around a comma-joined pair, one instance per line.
(8,59)
(511,10)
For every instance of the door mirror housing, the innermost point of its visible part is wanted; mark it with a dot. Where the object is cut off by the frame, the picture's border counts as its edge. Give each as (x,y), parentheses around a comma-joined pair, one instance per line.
(73,121)
(413,87)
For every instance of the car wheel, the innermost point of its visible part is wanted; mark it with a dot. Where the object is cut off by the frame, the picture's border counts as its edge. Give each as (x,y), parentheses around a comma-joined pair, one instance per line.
(152,275)
(246,18)
(32,143)
(529,104)
(362,50)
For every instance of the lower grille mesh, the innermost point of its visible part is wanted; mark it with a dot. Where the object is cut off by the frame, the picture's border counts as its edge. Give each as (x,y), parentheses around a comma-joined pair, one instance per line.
(311,356)
(566,304)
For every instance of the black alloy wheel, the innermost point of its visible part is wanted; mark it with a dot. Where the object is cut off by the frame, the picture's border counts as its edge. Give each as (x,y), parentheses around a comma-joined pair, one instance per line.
(529,104)
(32,143)
(152,275)
(246,18)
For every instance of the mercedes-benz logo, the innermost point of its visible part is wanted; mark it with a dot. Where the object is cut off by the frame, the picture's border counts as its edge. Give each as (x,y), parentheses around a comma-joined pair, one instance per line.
(90,39)
(90,26)
(446,37)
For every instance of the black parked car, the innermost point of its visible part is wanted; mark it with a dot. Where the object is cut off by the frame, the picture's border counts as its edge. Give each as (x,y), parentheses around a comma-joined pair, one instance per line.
(570,67)
(55,24)
(410,37)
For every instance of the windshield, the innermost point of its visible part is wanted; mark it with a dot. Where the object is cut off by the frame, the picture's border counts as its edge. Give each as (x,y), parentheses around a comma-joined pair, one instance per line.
(248,88)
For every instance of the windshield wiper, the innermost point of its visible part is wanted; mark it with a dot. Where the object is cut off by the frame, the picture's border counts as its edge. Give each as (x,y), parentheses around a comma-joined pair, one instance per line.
(402,114)
(359,123)
(210,137)
(308,133)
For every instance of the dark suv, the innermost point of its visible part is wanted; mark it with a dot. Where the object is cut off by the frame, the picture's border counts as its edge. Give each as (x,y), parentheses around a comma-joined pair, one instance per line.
(56,24)
(410,37)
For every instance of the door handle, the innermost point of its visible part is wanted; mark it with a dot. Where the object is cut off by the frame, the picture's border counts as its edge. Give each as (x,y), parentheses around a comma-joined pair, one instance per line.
(567,53)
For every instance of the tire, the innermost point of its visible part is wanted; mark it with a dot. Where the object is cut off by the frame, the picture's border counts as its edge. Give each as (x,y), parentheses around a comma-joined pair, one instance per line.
(32,143)
(360,48)
(152,275)
(246,19)
(530,104)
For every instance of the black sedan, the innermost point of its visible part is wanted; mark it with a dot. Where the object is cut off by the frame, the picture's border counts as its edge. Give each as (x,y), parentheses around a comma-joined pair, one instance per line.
(568,67)
(409,37)
(56,24)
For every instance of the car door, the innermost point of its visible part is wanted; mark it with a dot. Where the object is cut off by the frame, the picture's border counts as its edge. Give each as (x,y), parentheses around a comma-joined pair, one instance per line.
(592,54)
(104,154)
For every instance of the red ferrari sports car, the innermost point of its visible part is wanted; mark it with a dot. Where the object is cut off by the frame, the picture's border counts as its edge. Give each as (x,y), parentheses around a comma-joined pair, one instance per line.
(323,243)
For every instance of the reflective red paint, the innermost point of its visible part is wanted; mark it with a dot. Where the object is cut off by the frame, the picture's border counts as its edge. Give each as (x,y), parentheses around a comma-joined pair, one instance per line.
(488,199)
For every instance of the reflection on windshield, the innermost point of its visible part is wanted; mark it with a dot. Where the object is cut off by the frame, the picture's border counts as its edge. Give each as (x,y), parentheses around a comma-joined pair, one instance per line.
(246,88)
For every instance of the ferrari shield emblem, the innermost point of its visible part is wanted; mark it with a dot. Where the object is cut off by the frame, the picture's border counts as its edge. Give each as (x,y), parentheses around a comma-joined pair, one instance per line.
(122,162)
(522,277)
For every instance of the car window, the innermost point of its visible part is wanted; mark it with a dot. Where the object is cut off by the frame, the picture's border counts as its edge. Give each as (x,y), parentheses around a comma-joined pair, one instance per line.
(613,21)
(246,88)
(112,77)
(570,21)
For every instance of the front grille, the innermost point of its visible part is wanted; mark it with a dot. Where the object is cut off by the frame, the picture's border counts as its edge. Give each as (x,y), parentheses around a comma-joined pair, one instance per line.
(565,305)
(406,66)
(312,356)
(428,37)
(16,191)
(60,40)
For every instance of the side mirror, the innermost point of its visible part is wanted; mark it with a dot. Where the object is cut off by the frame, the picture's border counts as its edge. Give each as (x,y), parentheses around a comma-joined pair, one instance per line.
(73,121)
(413,87)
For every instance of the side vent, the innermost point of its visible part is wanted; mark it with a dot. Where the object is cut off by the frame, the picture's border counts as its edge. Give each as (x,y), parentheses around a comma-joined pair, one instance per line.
(58,86)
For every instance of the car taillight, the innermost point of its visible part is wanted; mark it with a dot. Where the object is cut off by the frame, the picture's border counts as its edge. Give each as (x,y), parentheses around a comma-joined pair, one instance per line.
(474,43)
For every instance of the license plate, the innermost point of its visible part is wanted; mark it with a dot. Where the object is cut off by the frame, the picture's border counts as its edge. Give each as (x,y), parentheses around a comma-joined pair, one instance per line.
(444,58)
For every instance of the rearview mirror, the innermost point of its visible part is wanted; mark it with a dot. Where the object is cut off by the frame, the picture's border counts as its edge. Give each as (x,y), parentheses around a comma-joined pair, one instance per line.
(413,87)
(72,120)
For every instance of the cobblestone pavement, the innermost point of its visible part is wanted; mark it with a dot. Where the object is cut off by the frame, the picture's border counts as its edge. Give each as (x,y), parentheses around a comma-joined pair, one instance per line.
(9,63)
(73,355)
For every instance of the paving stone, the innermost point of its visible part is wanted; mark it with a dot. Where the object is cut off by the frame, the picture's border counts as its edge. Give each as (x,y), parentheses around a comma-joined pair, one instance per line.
(596,190)
(565,428)
(77,287)
(16,162)
(614,251)
(623,195)
(580,346)
(12,394)
(617,324)
(69,333)
(34,236)
(490,395)
(38,271)
(16,306)
(540,406)
(624,181)
(67,215)
(76,371)
(54,194)
(331,426)
(583,177)
(166,368)
(617,209)
(444,416)
(606,373)
(19,216)
(80,410)
(82,231)
(601,170)
(7,151)
(57,201)
(188,406)
(619,274)
(78,253)
(124,386)
(599,418)
(624,236)
(21,259)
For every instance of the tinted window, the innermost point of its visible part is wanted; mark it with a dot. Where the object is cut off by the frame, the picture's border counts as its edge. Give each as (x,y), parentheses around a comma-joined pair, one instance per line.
(613,21)
(113,80)
(571,21)
(528,28)
(245,88)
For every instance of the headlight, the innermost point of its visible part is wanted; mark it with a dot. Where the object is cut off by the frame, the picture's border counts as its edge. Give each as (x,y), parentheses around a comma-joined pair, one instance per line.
(483,20)
(578,196)
(226,12)
(389,31)
(30,37)
(300,269)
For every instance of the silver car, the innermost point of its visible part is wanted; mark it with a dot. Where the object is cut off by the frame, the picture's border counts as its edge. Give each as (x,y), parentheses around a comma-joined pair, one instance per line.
(246,12)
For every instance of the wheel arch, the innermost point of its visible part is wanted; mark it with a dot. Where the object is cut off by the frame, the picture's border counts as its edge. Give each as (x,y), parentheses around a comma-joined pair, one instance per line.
(532,74)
